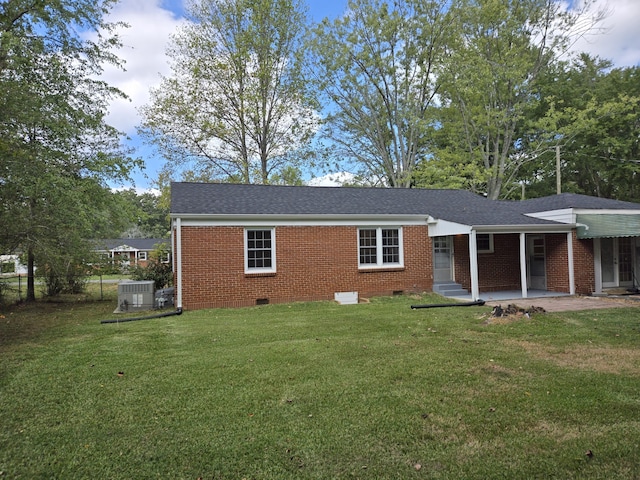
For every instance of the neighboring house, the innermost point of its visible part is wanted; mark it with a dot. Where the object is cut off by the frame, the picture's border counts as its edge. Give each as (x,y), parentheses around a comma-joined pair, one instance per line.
(127,252)
(236,245)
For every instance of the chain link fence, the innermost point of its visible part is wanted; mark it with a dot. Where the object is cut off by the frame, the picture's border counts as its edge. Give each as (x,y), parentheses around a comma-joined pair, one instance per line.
(13,287)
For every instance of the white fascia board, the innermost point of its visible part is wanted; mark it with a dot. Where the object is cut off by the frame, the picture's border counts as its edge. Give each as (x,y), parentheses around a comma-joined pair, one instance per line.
(205,220)
(442,228)
(124,248)
(559,228)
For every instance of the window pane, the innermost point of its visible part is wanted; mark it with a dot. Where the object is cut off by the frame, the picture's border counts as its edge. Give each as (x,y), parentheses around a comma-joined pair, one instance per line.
(368,251)
(482,241)
(259,253)
(390,246)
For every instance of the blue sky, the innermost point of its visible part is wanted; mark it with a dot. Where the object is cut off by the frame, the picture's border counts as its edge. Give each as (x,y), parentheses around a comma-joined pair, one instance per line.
(153,21)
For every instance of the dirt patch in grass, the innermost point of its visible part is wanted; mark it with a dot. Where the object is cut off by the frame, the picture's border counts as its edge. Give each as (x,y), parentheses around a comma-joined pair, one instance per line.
(585,357)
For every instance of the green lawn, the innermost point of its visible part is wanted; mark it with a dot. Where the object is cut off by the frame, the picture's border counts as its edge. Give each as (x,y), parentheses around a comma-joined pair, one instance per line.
(317,390)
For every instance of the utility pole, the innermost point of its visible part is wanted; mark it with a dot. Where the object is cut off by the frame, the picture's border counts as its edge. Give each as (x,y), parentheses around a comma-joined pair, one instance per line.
(558,176)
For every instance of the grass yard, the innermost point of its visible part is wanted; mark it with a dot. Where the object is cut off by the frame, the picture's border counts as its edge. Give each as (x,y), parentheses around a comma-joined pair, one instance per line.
(318,390)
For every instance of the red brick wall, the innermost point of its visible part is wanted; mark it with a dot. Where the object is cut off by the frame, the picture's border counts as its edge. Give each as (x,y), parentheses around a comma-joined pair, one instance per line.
(312,264)
(584,267)
(499,270)
(557,262)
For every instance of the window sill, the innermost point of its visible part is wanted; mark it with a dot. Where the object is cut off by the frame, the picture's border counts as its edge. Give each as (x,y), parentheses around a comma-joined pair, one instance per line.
(397,268)
(259,274)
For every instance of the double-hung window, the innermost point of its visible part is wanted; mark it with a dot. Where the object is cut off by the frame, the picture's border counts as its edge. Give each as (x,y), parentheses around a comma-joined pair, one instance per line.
(484,242)
(380,247)
(259,250)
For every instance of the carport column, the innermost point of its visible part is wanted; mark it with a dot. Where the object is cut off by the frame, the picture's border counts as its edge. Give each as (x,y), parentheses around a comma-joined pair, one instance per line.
(473,261)
(523,263)
(572,280)
(178,233)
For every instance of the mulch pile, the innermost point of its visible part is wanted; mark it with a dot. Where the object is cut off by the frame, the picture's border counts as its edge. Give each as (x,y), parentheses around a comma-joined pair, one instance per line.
(511,313)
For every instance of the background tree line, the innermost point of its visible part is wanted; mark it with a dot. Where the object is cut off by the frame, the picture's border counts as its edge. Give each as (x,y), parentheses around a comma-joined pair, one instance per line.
(474,94)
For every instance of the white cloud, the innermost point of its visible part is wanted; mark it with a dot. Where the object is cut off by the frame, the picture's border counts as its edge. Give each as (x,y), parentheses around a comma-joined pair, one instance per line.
(616,37)
(332,180)
(143,50)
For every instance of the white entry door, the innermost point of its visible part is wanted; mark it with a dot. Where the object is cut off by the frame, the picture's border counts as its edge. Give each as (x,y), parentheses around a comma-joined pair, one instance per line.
(616,260)
(442,259)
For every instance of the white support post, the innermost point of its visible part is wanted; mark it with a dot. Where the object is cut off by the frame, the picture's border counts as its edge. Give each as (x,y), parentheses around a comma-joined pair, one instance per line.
(572,279)
(473,263)
(523,264)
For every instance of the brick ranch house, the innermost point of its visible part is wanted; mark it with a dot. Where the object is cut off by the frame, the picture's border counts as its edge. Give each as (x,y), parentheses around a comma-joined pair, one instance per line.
(241,245)
(126,252)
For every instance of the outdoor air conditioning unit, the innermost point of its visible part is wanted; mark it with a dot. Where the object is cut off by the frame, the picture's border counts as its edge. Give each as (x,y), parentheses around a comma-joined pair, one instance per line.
(134,296)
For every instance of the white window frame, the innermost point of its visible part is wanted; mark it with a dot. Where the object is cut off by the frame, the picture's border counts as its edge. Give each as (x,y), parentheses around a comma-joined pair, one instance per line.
(251,270)
(142,256)
(379,249)
(490,250)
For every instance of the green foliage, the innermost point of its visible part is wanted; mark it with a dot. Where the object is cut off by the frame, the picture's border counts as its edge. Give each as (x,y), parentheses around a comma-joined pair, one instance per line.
(56,150)
(491,77)
(594,113)
(236,107)
(149,215)
(156,269)
(7,267)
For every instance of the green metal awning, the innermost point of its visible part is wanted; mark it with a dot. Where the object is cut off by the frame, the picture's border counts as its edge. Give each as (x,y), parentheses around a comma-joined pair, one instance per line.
(608,225)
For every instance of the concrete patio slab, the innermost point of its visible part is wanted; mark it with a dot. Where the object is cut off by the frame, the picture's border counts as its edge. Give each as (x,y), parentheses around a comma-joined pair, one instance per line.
(571,303)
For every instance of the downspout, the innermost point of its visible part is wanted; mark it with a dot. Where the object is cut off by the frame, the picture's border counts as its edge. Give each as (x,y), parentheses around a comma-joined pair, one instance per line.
(177,311)
(178,257)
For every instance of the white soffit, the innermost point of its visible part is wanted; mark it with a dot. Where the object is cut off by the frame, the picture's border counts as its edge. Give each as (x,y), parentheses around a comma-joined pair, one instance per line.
(565,215)
(441,228)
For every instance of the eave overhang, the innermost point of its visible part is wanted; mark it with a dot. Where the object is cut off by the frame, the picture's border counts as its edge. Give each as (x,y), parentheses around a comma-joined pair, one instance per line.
(439,228)
(190,219)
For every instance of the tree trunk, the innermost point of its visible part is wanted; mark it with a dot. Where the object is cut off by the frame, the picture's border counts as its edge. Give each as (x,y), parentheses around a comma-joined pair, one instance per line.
(31,284)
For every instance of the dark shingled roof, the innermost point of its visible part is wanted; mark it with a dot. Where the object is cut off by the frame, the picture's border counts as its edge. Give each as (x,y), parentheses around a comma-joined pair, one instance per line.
(458,206)
(137,243)
(572,200)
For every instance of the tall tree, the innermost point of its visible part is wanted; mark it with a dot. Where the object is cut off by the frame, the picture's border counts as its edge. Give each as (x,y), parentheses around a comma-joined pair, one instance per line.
(56,151)
(150,218)
(594,112)
(491,76)
(376,67)
(236,105)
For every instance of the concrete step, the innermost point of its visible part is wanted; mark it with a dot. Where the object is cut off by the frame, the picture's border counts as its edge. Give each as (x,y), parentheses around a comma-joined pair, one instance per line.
(449,289)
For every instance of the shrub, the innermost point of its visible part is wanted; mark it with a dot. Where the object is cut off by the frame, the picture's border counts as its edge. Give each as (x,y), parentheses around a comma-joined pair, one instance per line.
(156,270)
